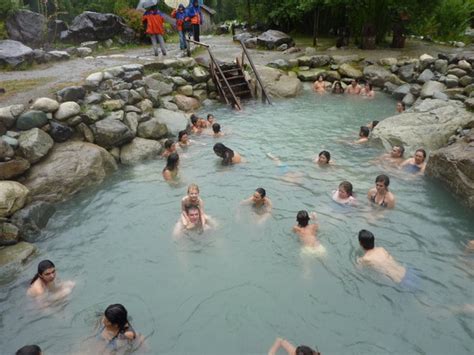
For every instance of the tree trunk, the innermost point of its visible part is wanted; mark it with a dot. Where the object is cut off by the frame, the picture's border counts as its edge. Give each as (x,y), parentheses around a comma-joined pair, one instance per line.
(315,26)
(249,13)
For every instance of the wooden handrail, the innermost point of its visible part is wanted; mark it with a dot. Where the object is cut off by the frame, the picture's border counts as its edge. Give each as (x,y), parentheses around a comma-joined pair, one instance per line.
(214,62)
(257,76)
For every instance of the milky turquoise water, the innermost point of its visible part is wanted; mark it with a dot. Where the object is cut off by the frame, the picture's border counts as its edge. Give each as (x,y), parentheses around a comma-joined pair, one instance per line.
(233,290)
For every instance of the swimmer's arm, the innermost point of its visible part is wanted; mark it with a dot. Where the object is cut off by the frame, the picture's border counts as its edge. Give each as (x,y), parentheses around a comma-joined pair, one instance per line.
(167,175)
(34,291)
(268,206)
(422,170)
(391,203)
(406,162)
(282,343)
(246,201)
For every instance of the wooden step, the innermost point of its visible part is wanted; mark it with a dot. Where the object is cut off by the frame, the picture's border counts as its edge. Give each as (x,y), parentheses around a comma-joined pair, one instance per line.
(235,77)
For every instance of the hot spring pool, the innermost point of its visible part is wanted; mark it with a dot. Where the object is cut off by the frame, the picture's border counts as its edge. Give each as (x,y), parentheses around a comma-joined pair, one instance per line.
(233,290)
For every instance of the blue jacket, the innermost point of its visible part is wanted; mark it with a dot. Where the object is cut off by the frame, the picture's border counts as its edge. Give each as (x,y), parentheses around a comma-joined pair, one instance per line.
(193,11)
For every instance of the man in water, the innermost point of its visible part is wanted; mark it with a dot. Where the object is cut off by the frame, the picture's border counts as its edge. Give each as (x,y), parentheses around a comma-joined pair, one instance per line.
(380,260)
(395,156)
(195,222)
(354,88)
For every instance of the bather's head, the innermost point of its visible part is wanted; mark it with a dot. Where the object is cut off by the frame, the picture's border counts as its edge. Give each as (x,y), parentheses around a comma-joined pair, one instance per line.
(420,156)
(364,132)
(46,272)
(306,350)
(172,161)
(116,316)
(324,157)
(216,128)
(302,218)
(397,151)
(366,239)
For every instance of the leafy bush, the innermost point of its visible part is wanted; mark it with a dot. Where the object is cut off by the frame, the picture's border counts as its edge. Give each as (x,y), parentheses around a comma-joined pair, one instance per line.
(133,19)
(6,7)
(453,17)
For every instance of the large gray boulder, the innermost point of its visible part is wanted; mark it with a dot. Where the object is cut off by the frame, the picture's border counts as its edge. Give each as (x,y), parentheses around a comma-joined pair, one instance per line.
(13,256)
(279,84)
(349,71)
(13,196)
(69,168)
(377,75)
(14,54)
(9,114)
(152,129)
(93,26)
(430,87)
(454,167)
(31,119)
(272,39)
(174,121)
(138,150)
(13,168)
(429,125)
(110,133)
(32,218)
(163,88)
(35,144)
(27,27)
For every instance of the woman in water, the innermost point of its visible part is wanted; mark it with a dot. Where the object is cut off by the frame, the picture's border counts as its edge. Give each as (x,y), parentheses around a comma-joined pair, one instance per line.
(44,282)
(379,195)
(170,147)
(290,348)
(417,164)
(367,90)
(228,156)
(363,135)
(170,172)
(337,88)
(319,85)
(324,158)
(344,195)
(183,139)
(260,203)
(196,124)
(115,329)
(400,107)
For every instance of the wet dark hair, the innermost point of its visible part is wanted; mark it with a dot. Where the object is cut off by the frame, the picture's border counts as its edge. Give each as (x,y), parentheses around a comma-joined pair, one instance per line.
(337,87)
(29,350)
(366,239)
(192,207)
(302,218)
(422,151)
(403,105)
(42,267)
(374,123)
(370,85)
(169,143)
(194,119)
(364,131)
(226,153)
(117,315)
(172,161)
(326,154)
(383,178)
(347,186)
(261,191)
(402,149)
(209,115)
(216,127)
(306,350)
(181,134)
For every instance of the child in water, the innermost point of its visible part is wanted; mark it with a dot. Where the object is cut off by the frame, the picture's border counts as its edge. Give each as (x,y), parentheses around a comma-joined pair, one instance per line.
(307,232)
(192,199)
(344,195)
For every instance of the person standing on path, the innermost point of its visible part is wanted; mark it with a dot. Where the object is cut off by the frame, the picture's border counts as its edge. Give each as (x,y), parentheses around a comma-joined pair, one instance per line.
(194,14)
(153,21)
(180,14)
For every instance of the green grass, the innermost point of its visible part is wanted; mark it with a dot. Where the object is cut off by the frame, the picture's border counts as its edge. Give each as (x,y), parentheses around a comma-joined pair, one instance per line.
(13,87)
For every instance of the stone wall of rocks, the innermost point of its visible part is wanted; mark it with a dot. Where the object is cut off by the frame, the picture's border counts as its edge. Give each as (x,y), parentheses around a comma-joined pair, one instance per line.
(56,147)
(449,76)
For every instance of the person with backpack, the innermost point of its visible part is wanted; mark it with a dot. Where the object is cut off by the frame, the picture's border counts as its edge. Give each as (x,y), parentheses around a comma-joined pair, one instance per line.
(180,14)
(154,25)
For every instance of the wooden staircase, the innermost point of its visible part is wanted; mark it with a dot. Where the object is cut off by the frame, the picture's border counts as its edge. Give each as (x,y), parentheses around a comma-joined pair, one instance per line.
(230,80)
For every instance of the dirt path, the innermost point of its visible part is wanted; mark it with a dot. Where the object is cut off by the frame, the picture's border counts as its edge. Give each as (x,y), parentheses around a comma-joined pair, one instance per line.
(62,74)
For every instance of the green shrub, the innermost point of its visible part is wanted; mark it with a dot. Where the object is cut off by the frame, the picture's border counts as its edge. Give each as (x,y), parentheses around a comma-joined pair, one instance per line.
(6,7)
(453,17)
(133,19)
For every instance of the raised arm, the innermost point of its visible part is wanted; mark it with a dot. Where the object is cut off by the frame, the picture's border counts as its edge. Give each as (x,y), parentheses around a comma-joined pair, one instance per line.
(282,343)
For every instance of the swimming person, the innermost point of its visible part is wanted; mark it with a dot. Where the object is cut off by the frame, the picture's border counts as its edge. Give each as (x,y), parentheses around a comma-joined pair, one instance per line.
(400,107)
(192,199)
(183,139)
(324,158)
(379,195)
(290,348)
(29,350)
(417,164)
(228,156)
(115,329)
(261,204)
(307,232)
(379,259)
(216,128)
(170,147)
(344,194)
(337,88)
(319,85)
(196,126)
(354,88)
(210,119)
(44,282)
(363,135)
(170,171)
(194,218)
(367,90)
